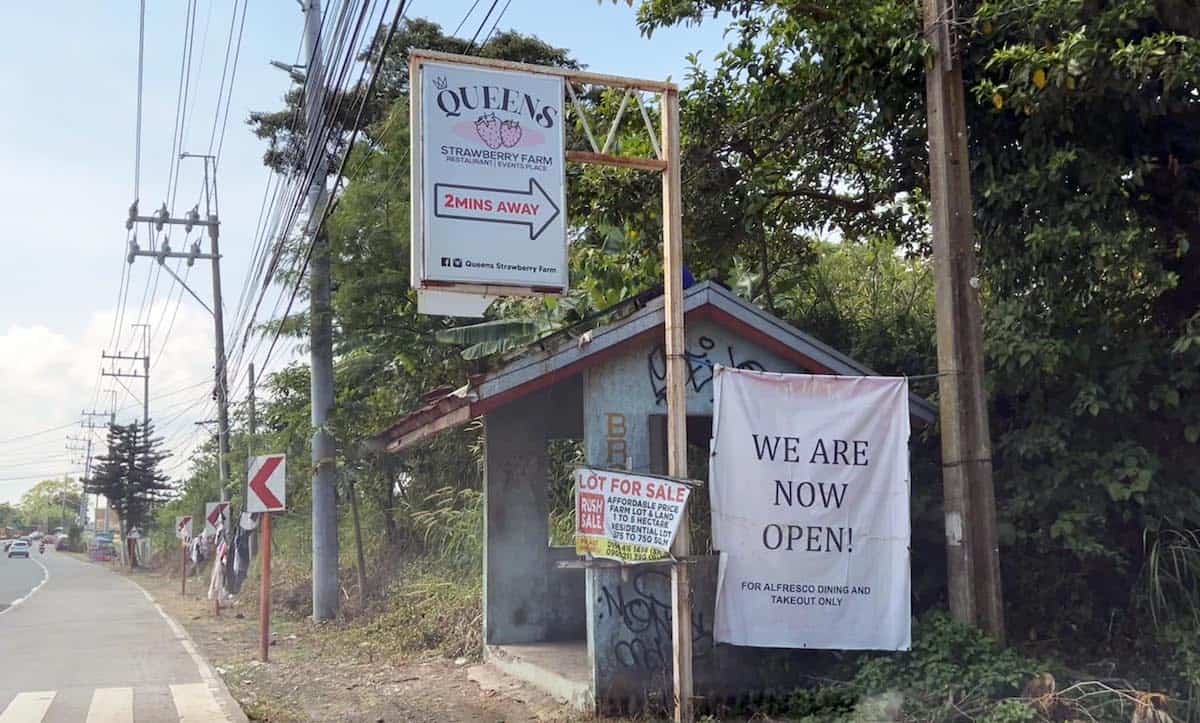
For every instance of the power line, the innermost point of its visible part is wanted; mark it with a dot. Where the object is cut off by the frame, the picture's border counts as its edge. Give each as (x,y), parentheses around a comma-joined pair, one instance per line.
(463,22)
(38,433)
(137,153)
(181,98)
(480,28)
(41,476)
(493,30)
(342,166)
(232,77)
(316,143)
(175,314)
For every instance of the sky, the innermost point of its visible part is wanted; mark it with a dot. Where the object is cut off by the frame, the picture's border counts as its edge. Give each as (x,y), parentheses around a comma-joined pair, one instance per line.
(68,143)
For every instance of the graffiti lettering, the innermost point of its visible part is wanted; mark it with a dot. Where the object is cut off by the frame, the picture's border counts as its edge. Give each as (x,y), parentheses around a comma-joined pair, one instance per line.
(646,617)
(699,367)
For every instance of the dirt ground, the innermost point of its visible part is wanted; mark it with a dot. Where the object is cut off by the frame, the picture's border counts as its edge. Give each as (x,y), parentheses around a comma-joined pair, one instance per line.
(314,676)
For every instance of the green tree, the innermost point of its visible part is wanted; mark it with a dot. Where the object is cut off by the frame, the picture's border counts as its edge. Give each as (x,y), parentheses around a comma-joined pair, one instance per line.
(1084,122)
(128,476)
(51,503)
(385,356)
(11,515)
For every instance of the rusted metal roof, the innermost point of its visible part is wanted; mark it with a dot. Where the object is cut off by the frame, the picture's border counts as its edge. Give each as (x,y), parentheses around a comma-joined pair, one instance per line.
(569,352)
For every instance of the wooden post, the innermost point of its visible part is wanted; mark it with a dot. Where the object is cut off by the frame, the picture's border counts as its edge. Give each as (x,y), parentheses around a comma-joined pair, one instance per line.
(264,591)
(681,592)
(972,551)
(183,568)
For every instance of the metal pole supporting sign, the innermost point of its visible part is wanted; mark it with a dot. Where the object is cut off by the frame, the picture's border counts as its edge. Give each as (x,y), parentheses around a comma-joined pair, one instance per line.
(460,210)
(265,493)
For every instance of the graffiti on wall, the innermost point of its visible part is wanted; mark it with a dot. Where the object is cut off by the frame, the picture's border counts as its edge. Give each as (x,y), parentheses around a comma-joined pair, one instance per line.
(644,618)
(699,366)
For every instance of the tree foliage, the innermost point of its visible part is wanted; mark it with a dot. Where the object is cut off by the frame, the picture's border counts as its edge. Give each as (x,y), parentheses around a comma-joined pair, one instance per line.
(128,475)
(51,503)
(1084,119)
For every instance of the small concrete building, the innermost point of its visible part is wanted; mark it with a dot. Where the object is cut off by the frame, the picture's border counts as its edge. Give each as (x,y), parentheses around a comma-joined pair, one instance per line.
(595,633)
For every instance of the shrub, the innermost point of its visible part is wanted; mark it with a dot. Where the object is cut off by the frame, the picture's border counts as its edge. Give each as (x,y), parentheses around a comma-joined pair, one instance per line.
(953,670)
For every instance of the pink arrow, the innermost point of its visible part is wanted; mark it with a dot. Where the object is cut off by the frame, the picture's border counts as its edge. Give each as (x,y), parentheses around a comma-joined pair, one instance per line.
(258,485)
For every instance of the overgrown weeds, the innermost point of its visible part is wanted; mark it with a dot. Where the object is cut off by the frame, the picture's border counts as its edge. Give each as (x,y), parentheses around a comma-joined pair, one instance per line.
(427,610)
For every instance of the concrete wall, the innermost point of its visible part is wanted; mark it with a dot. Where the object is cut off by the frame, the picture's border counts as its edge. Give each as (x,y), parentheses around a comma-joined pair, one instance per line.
(526,599)
(620,395)
(629,640)
(629,609)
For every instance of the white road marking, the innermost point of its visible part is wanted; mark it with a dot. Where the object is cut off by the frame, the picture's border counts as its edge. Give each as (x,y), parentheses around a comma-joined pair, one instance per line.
(26,596)
(194,703)
(28,707)
(215,686)
(111,705)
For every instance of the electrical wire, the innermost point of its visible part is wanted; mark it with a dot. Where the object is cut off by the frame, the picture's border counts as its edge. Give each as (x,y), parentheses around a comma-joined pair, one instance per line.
(463,22)
(38,433)
(316,144)
(493,30)
(479,30)
(137,153)
(41,476)
(232,78)
(316,228)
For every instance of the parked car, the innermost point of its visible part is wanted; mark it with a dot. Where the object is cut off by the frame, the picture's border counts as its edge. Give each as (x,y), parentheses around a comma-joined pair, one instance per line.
(20,548)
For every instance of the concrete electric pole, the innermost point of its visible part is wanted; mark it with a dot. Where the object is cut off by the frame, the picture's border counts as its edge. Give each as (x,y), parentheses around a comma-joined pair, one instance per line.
(144,358)
(90,424)
(162,218)
(324,498)
(972,550)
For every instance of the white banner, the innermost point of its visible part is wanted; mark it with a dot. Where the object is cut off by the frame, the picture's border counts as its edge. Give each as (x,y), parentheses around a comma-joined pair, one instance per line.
(810,510)
(627,517)
(492,178)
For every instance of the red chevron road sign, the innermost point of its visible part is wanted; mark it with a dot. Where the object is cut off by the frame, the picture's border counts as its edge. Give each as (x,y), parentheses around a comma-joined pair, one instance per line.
(267,483)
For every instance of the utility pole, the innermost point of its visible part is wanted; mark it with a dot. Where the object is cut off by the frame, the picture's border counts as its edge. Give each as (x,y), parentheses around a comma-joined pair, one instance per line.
(144,358)
(324,498)
(972,550)
(252,424)
(84,447)
(90,424)
(211,222)
(252,428)
(145,375)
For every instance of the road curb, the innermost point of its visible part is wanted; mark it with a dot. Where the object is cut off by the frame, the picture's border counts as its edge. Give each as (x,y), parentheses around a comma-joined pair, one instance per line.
(215,682)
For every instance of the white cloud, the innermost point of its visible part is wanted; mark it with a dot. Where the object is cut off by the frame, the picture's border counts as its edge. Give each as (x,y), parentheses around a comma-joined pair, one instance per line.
(48,376)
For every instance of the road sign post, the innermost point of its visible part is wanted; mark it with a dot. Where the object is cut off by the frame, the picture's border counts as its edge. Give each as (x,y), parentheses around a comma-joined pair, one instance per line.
(264,592)
(266,490)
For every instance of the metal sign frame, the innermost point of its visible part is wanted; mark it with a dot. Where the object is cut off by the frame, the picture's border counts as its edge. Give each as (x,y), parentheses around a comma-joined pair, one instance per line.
(666,162)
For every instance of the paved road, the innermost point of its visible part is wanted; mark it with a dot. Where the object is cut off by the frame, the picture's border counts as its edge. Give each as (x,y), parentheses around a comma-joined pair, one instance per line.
(17,579)
(89,646)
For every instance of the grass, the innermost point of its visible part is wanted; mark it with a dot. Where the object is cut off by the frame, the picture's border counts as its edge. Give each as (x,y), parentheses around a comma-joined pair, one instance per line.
(424,611)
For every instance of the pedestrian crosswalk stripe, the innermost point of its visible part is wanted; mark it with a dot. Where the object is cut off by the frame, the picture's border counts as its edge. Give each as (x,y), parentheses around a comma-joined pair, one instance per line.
(111,705)
(195,703)
(28,707)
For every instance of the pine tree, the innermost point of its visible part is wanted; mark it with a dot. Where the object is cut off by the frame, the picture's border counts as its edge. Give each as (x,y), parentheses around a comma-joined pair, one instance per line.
(129,478)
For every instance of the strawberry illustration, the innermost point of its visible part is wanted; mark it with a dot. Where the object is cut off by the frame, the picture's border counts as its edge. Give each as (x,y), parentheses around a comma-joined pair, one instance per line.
(510,133)
(487,127)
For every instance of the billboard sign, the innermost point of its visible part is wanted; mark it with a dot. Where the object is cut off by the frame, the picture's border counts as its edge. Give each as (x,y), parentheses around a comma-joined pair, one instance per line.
(489,199)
